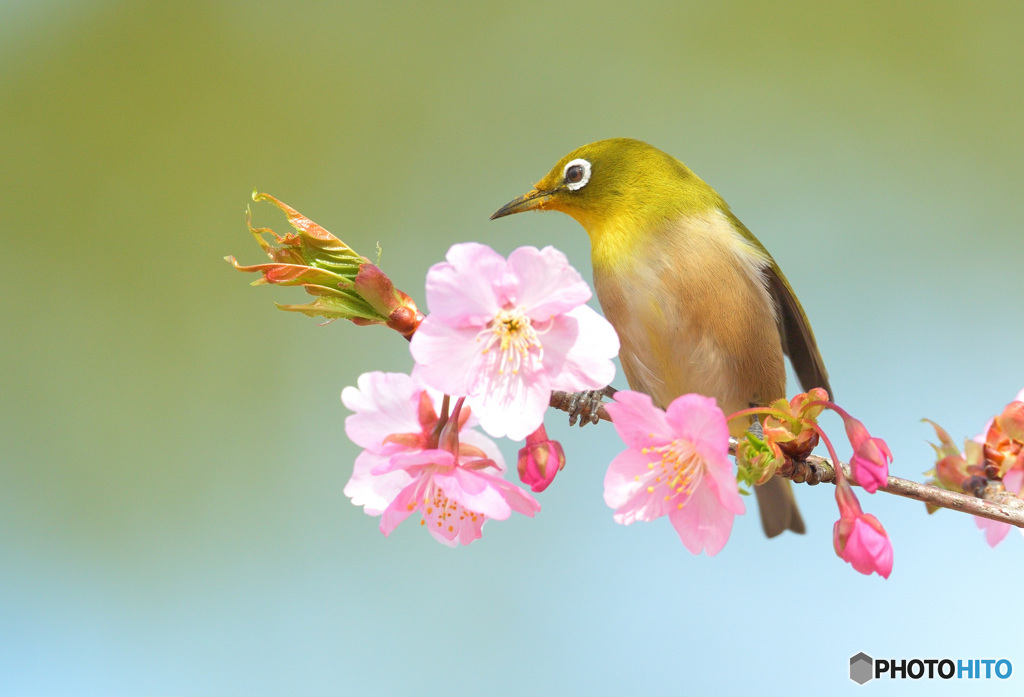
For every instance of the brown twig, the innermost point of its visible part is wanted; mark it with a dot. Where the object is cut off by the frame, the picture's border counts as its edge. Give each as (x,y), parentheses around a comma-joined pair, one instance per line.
(993,500)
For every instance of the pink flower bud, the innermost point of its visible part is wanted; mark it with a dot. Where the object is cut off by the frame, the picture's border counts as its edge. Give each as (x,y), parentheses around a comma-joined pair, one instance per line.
(858,537)
(377,289)
(863,543)
(870,464)
(540,460)
(871,456)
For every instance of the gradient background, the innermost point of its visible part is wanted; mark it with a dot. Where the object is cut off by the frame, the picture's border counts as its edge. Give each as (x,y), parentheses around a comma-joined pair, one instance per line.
(172,453)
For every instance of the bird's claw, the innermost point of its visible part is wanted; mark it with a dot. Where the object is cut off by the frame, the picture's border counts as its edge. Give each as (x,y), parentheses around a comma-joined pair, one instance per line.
(584,406)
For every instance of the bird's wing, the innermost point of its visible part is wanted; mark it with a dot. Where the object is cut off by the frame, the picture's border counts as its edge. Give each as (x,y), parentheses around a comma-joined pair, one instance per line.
(794,328)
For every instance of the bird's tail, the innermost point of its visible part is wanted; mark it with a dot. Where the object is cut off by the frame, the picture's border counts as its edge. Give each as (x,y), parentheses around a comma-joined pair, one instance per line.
(778,507)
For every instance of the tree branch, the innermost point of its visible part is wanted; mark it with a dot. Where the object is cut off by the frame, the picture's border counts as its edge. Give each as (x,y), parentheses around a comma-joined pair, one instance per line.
(990,500)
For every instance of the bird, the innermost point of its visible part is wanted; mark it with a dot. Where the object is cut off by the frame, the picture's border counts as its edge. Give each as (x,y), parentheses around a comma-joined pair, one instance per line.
(699,304)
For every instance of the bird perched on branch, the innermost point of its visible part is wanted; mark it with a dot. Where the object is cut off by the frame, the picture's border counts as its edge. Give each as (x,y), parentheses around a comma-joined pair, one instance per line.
(698,302)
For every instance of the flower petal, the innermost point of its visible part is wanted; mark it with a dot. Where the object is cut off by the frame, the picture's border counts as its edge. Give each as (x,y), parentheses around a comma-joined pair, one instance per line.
(450,523)
(638,422)
(511,404)
(1014,479)
(384,403)
(703,523)
(721,479)
(400,509)
(374,492)
(628,489)
(414,461)
(623,479)
(474,493)
(698,419)
(519,500)
(472,437)
(461,290)
(578,350)
(549,285)
(995,531)
(447,358)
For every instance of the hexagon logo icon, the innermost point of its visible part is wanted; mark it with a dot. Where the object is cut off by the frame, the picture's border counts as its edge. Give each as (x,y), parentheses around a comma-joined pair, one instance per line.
(861,668)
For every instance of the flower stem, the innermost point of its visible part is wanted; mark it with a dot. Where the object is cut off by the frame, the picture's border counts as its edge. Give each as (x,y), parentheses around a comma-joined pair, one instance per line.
(754,411)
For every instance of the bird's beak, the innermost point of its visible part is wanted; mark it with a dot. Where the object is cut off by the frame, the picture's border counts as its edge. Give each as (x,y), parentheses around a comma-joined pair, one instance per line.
(530,201)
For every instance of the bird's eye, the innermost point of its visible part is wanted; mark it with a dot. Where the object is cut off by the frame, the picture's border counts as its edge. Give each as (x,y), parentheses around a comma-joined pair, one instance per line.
(576,174)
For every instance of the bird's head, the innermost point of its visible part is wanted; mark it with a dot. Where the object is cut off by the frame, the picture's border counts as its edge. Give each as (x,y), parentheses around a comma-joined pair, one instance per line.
(619,186)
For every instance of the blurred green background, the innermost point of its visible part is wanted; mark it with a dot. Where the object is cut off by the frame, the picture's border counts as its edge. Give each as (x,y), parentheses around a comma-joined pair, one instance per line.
(172,453)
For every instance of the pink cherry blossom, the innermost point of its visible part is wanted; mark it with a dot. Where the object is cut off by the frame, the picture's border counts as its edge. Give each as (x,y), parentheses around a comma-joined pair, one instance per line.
(676,464)
(395,414)
(508,332)
(454,495)
(540,460)
(454,498)
(858,537)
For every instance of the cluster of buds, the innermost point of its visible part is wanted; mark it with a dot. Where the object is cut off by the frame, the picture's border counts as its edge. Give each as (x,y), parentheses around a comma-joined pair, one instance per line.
(991,461)
(790,433)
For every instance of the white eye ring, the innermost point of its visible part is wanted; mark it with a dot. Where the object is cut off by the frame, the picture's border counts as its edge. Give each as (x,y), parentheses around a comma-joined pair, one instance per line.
(574,186)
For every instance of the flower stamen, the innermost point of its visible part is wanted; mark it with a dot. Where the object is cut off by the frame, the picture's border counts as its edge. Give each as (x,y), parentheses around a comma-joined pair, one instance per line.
(679,465)
(512,332)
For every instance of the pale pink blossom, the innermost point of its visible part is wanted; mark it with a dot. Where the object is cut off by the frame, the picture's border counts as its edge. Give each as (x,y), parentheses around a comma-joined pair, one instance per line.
(540,460)
(676,464)
(508,332)
(395,414)
(454,495)
(858,537)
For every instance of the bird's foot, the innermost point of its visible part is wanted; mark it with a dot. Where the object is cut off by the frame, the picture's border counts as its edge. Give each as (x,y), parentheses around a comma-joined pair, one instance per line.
(756,429)
(582,406)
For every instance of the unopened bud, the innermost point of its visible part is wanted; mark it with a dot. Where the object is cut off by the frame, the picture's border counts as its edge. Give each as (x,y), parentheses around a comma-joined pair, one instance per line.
(540,460)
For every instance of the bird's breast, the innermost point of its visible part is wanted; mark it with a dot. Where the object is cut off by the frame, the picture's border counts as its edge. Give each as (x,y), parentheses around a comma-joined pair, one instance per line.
(693,314)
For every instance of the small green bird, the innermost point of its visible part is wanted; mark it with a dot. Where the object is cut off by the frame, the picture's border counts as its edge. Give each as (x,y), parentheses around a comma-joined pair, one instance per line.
(698,303)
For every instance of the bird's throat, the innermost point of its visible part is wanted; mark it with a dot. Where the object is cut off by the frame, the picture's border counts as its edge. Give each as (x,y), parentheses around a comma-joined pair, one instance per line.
(617,242)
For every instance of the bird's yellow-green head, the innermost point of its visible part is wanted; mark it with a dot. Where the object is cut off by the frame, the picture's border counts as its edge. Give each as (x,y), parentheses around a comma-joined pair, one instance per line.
(619,190)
